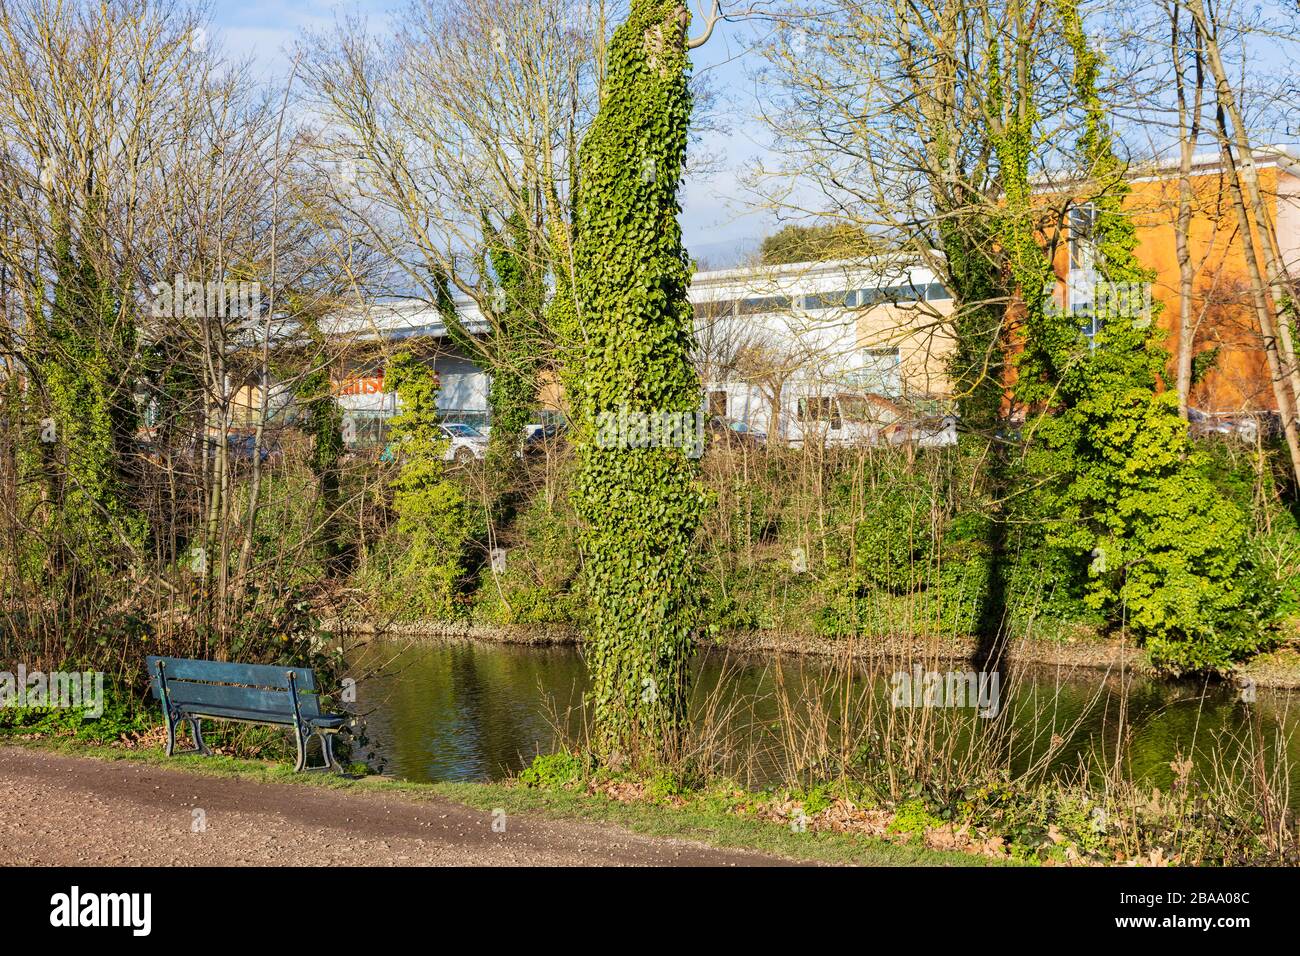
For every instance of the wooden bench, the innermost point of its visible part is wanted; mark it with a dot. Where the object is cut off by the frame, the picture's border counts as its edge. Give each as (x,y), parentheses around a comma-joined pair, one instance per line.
(190,690)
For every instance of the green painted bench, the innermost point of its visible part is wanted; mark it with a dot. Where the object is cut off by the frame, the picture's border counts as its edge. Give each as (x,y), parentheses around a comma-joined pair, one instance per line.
(190,690)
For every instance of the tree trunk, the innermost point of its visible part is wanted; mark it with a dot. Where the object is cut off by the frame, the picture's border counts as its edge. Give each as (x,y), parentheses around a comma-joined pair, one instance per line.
(1252,209)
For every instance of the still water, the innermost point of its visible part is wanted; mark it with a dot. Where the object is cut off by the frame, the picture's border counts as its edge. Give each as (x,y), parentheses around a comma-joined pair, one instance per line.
(471,711)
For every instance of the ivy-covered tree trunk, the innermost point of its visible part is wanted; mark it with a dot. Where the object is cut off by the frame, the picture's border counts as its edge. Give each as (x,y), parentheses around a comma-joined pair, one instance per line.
(86,369)
(433,517)
(325,424)
(630,336)
(1154,544)
(521,298)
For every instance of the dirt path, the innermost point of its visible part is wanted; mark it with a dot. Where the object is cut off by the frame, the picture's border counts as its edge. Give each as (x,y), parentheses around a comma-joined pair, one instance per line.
(58,810)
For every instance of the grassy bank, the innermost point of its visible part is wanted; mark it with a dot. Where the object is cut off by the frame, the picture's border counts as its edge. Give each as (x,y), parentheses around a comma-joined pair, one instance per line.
(809,551)
(702,821)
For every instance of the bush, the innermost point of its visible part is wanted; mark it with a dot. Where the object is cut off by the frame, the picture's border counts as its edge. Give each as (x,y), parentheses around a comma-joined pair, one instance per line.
(1186,588)
(552,771)
(895,535)
(540,584)
(421,567)
(123,715)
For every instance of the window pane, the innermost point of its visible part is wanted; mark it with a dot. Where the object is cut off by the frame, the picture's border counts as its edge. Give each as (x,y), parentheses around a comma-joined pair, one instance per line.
(714,310)
(881,372)
(759,305)
(839,299)
(1082,220)
(816,408)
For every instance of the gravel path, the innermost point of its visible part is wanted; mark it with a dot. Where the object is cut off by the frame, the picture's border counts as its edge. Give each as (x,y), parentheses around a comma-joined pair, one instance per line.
(59,810)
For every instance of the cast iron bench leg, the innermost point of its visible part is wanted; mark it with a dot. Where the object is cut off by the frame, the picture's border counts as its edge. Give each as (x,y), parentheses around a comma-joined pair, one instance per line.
(301,764)
(171,734)
(326,751)
(197,733)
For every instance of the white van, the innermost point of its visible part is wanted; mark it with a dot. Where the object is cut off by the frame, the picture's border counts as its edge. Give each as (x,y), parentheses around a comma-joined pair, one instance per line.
(863,418)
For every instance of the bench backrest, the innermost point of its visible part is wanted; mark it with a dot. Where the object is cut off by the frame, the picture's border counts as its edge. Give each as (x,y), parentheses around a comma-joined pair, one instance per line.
(251,687)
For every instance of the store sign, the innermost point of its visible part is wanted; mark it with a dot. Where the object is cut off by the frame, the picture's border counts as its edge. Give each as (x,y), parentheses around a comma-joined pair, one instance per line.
(363,385)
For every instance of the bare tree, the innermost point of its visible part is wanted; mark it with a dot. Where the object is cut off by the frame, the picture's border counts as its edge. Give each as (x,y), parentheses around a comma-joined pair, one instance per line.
(1271,286)
(462,134)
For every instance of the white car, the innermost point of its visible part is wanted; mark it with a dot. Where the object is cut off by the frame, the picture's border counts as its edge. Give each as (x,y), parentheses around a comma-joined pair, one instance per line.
(465,443)
(925,433)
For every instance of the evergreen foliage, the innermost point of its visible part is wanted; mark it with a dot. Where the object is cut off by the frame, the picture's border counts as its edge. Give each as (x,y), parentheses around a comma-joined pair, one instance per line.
(630,336)
(434,520)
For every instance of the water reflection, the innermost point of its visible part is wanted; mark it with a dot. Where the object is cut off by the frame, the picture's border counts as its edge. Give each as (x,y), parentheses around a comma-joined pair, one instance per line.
(469,711)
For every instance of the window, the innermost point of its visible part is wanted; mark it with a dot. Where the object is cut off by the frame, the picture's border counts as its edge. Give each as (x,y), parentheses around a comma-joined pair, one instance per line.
(461,430)
(893,293)
(714,310)
(718,403)
(839,299)
(759,305)
(936,291)
(819,408)
(1089,322)
(882,371)
(855,408)
(1082,278)
(1082,221)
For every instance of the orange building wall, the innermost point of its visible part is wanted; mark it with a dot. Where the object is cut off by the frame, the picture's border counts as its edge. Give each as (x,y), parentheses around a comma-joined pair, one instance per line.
(1222,313)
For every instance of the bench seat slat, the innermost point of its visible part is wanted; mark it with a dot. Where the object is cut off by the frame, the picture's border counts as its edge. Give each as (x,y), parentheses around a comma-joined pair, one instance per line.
(237,713)
(180,692)
(259,716)
(256,675)
(250,698)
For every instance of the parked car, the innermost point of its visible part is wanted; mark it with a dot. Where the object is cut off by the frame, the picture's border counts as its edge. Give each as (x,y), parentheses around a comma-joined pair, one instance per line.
(543,438)
(1243,426)
(938,432)
(735,434)
(465,443)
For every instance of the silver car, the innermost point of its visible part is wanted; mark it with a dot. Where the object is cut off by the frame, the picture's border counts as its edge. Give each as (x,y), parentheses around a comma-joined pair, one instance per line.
(1242,426)
(465,443)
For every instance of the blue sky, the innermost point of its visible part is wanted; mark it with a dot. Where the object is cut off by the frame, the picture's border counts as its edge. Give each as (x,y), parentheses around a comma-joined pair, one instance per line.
(719,223)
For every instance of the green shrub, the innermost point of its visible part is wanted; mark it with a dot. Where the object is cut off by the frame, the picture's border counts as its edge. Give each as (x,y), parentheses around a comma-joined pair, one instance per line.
(552,771)
(421,567)
(895,534)
(913,817)
(541,583)
(122,715)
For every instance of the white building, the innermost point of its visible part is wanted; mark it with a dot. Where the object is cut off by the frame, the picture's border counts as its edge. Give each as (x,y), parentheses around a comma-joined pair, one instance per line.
(835,350)
(830,350)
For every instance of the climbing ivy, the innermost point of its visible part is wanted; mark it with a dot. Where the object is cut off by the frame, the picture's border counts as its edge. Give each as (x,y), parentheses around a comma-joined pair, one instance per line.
(324,423)
(1154,545)
(86,360)
(434,520)
(629,335)
(520,298)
